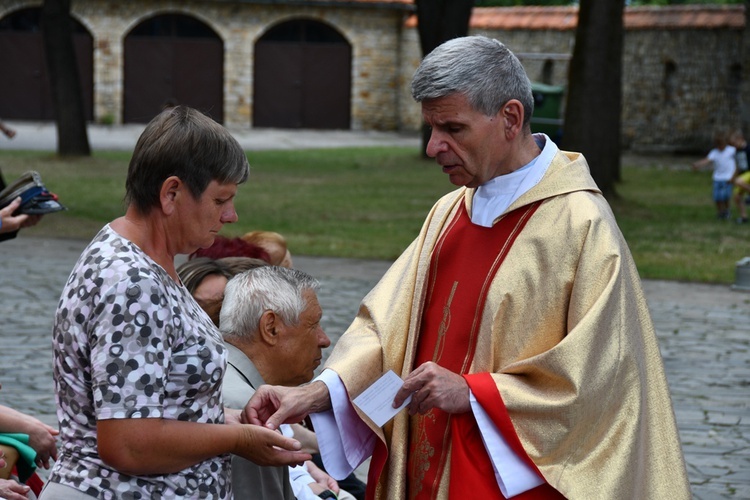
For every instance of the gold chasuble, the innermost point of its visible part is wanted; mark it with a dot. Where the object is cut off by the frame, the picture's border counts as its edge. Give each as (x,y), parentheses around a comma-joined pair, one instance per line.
(558,348)
(456,291)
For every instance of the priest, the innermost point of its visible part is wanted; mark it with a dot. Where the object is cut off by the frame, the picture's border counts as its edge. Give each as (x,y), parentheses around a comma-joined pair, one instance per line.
(516,319)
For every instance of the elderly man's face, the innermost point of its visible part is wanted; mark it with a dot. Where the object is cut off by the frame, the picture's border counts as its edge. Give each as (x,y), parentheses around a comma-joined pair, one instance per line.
(469,145)
(300,347)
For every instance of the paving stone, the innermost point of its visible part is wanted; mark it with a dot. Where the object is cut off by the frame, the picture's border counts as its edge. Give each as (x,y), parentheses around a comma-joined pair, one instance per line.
(703,333)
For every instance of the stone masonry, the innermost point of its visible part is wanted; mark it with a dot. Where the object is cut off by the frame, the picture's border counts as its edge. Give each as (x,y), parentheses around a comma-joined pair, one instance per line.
(682,75)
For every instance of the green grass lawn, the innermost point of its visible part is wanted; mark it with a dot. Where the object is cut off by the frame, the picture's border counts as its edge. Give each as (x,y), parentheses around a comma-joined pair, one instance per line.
(668,218)
(371,202)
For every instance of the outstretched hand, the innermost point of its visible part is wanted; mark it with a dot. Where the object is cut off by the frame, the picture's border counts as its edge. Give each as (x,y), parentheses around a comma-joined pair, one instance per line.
(322,480)
(272,405)
(269,448)
(433,386)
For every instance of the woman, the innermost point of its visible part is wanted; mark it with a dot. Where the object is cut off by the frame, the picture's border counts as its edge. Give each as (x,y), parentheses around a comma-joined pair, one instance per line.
(205,278)
(273,243)
(138,365)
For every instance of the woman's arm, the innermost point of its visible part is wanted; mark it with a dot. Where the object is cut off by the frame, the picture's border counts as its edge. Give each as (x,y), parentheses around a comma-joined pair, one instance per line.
(159,446)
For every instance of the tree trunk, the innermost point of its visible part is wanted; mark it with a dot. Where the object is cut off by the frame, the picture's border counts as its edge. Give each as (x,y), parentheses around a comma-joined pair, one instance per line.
(442,20)
(67,98)
(439,21)
(745,88)
(592,112)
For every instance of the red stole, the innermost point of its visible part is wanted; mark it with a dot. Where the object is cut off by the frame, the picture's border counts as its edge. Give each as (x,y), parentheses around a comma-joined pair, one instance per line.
(463,266)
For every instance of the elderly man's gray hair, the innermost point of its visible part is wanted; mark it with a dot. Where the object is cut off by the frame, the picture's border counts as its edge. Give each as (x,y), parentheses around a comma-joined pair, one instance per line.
(481,68)
(248,295)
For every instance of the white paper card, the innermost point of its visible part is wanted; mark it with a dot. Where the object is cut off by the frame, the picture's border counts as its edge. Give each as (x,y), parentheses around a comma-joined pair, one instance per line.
(377,400)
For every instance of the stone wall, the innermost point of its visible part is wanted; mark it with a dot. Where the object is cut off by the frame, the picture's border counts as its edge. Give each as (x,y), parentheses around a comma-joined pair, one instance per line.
(373,33)
(678,84)
(535,49)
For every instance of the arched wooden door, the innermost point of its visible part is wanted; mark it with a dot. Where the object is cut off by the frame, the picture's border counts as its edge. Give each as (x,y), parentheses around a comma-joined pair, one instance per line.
(172,59)
(302,77)
(25,92)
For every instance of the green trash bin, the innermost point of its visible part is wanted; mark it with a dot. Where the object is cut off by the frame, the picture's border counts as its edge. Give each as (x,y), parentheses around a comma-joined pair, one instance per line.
(547,110)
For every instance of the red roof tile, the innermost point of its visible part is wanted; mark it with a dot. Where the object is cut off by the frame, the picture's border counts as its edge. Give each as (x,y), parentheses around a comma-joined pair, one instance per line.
(686,16)
(525,18)
(636,18)
(392,3)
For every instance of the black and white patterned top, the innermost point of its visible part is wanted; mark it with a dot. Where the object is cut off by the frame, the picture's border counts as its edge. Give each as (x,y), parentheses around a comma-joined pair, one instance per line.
(130,342)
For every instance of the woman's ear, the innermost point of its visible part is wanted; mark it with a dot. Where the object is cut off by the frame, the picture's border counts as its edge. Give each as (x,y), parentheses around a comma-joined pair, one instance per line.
(170,189)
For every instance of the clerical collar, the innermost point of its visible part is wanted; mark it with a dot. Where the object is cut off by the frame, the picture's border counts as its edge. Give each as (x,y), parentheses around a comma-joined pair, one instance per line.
(495,196)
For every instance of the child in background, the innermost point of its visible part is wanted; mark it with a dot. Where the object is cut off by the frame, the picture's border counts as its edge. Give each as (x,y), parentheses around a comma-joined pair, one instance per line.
(722,158)
(741,178)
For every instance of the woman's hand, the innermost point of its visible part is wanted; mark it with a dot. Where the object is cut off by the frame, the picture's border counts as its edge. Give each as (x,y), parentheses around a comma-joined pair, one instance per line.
(232,416)
(41,436)
(269,448)
(42,439)
(11,490)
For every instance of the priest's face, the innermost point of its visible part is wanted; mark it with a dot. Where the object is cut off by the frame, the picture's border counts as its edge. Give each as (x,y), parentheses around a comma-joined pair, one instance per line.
(469,145)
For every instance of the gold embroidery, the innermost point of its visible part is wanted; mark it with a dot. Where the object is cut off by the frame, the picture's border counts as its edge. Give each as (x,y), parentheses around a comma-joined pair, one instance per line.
(422,452)
(444,324)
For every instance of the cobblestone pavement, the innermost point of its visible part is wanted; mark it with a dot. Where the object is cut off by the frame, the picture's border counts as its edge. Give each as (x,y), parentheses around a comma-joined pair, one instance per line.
(704,333)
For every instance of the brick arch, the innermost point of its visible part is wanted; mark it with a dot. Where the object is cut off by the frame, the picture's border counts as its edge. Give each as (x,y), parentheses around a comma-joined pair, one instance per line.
(302,76)
(25,86)
(218,28)
(172,57)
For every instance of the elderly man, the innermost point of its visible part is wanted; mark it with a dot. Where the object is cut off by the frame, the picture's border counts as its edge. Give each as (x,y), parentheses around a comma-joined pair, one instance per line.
(516,319)
(270,320)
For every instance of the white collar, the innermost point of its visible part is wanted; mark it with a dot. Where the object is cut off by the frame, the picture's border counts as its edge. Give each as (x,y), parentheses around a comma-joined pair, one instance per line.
(495,196)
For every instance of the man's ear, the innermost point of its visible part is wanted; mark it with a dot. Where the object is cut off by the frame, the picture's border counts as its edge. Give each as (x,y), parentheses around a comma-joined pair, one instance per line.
(512,114)
(170,189)
(269,327)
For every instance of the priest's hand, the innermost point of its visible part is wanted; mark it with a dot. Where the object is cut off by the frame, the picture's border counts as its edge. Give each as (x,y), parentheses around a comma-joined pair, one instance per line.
(433,386)
(273,405)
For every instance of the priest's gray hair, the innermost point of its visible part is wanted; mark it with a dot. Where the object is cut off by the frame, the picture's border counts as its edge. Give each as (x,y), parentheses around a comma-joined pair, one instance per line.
(481,68)
(248,295)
